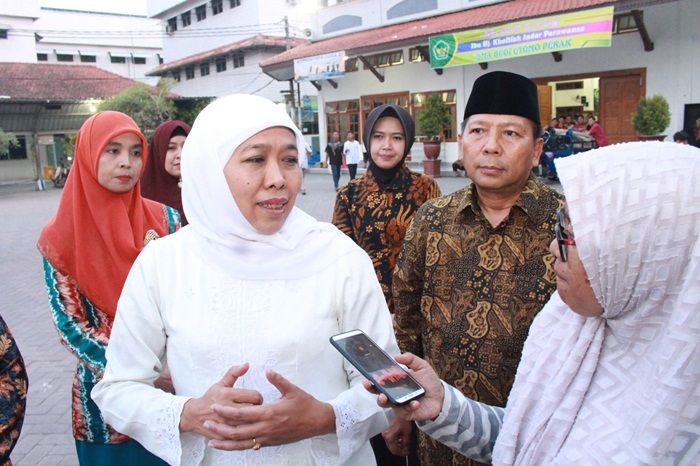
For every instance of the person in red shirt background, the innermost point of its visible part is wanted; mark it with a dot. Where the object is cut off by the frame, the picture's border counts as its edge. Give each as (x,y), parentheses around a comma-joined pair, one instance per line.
(597,133)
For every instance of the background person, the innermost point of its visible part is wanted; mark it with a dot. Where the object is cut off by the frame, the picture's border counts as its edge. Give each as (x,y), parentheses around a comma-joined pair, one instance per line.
(574,400)
(161,180)
(352,150)
(681,137)
(597,133)
(475,267)
(375,211)
(88,247)
(234,302)
(334,157)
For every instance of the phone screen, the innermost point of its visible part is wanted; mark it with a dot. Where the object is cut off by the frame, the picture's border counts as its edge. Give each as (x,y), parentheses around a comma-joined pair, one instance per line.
(385,373)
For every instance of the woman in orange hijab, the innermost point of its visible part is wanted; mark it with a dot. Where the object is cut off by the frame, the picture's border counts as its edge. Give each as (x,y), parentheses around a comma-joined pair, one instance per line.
(101,225)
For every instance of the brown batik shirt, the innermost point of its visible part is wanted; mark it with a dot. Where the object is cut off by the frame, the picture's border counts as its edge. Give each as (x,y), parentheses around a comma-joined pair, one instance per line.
(465,293)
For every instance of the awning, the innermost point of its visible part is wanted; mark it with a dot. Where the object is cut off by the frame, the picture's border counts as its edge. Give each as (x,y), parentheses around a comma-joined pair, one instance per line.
(84,53)
(120,54)
(66,52)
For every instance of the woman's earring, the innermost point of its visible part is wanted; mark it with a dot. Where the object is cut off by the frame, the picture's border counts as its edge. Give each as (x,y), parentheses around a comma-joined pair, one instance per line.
(179,183)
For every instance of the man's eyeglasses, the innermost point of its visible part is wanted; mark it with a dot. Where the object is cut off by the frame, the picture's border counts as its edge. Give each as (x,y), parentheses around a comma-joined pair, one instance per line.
(563,238)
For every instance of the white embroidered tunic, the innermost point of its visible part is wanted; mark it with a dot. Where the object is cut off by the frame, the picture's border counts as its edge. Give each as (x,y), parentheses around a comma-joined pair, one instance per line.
(176,305)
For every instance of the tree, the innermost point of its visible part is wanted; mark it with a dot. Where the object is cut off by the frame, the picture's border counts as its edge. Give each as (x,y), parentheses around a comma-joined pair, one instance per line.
(148,107)
(7,140)
(188,109)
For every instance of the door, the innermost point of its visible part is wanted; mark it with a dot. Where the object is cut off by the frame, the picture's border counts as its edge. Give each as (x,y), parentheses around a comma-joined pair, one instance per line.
(619,96)
(544,96)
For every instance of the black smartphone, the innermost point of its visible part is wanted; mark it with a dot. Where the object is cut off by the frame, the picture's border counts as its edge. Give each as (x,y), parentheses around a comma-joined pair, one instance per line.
(378,367)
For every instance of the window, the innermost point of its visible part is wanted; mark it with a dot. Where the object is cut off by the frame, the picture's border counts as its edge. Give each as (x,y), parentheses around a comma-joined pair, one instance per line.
(186,18)
(189,72)
(172,25)
(217,6)
(234,3)
(343,116)
(567,86)
(88,58)
(64,57)
(18,151)
(3,33)
(382,60)
(160,59)
(625,23)
(138,60)
(220,65)
(351,65)
(238,60)
(42,57)
(415,55)
(117,59)
(201,12)
(450,99)
(176,76)
(204,69)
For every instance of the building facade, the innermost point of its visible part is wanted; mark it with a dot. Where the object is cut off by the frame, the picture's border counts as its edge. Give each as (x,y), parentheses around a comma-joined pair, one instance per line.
(654,51)
(215,47)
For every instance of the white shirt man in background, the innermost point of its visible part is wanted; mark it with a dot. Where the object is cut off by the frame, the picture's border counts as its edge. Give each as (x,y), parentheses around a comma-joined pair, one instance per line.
(353,154)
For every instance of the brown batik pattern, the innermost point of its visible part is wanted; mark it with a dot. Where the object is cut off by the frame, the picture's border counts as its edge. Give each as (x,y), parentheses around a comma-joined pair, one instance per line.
(377,219)
(465,293)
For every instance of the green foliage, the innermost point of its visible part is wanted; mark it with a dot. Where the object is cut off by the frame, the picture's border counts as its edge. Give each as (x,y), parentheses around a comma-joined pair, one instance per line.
(652,116)
(7,140)
(188,109)
(147,107)
(434,118)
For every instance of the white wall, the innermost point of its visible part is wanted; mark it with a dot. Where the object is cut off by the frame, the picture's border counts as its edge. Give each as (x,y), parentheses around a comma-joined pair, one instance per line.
(18,18)
(374,13)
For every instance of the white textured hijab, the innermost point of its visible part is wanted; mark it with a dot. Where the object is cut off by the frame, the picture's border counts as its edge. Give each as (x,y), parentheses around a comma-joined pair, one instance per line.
(217,228)
(623,388)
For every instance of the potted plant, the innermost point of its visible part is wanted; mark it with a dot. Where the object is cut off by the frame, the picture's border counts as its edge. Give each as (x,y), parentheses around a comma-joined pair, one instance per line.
(432,121)
(651,118)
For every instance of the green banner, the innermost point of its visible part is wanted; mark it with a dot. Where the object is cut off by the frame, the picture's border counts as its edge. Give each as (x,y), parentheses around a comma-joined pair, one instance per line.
(582,29)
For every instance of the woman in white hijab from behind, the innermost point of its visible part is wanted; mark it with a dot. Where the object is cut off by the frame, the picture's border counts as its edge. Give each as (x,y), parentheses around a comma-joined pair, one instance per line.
(610,371)
(242,302)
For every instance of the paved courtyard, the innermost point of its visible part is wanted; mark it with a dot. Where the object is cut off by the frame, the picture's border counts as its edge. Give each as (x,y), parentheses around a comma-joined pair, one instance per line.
(46,438)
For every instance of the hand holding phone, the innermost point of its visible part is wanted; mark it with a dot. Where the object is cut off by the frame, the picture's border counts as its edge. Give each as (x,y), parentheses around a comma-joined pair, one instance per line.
(378,367)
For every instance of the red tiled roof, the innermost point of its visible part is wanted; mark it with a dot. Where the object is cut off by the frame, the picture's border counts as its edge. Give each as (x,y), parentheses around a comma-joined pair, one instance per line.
(39,81)
(257,40)
(414,31)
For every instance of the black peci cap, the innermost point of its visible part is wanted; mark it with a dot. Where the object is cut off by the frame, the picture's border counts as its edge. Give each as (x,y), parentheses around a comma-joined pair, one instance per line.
(504,93)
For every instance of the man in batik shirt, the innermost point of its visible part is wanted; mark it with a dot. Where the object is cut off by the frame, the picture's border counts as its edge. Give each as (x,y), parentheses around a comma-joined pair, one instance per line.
(475,268)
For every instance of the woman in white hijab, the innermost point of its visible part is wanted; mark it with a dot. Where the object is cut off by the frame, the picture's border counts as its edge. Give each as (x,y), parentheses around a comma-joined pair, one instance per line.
(242,302)
(610,372)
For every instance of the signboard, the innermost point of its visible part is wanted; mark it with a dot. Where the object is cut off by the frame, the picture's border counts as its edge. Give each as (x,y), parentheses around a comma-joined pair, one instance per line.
(328,66)
(581,29)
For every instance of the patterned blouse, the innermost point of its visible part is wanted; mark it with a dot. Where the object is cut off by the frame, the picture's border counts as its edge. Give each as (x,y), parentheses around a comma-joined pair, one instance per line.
(13,393)
(377,220)
(465,293)
(84,330)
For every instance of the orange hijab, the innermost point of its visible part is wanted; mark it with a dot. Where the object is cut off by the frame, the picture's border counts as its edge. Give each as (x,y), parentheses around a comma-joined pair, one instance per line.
(96,234)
